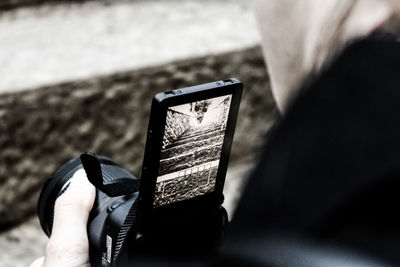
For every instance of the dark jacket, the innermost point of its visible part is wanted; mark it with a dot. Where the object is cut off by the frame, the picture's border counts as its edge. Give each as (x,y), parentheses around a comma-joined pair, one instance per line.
(330,175)
(327,187)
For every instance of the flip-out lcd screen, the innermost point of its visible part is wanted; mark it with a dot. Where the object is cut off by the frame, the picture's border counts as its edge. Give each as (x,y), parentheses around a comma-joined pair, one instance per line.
(191,149)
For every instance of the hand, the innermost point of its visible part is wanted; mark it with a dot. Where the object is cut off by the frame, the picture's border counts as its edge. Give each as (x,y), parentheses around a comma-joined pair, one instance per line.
(68,244)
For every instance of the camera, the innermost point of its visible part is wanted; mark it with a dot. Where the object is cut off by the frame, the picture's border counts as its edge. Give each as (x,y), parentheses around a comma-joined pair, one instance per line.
(176,206)
(109,218)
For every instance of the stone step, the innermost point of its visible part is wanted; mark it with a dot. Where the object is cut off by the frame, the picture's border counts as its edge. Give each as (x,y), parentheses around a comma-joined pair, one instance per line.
(193,132)
(193,135)
(200,128)
(184,148)
(188,160)
(186,187)
(196,138)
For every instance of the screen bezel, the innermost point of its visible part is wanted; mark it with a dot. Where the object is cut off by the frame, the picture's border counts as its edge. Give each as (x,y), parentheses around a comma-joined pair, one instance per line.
(148,216)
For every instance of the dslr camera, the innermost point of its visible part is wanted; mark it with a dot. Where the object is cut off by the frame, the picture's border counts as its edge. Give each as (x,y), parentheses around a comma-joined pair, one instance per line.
(175,209)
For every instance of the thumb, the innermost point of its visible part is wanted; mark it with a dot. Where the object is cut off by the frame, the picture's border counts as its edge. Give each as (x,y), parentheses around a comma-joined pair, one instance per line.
(68,244)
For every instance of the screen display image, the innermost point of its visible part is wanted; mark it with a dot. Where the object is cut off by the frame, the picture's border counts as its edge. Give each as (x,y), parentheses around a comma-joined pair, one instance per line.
(191,149)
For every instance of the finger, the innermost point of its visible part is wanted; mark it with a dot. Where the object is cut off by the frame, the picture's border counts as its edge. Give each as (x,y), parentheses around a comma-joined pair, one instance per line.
(79,195)
(68,239)
(38,262)
(72,208)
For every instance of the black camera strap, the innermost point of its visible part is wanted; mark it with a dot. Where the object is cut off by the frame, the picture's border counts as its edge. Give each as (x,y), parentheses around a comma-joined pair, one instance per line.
(109,177)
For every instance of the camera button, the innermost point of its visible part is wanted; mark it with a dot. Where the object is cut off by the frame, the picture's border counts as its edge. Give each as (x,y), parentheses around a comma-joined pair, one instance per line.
(113,206)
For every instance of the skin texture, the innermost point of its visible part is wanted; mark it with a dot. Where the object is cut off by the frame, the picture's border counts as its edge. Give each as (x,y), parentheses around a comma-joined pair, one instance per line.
(68,244)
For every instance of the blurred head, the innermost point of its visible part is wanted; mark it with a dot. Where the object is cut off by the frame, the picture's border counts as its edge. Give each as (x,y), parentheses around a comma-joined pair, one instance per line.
(300,37)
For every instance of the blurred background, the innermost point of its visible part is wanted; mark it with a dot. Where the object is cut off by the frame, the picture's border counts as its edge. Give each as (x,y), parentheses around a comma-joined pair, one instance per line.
(79,76)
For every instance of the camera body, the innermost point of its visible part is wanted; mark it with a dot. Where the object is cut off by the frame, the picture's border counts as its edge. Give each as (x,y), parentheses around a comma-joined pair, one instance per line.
(176,207)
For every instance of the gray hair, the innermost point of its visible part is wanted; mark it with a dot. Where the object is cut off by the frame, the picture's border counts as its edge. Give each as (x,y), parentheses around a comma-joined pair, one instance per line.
(299,38)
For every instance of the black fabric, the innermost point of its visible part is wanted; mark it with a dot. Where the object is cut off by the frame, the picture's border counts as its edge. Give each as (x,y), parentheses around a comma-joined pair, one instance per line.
(330,173)
(332,168)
